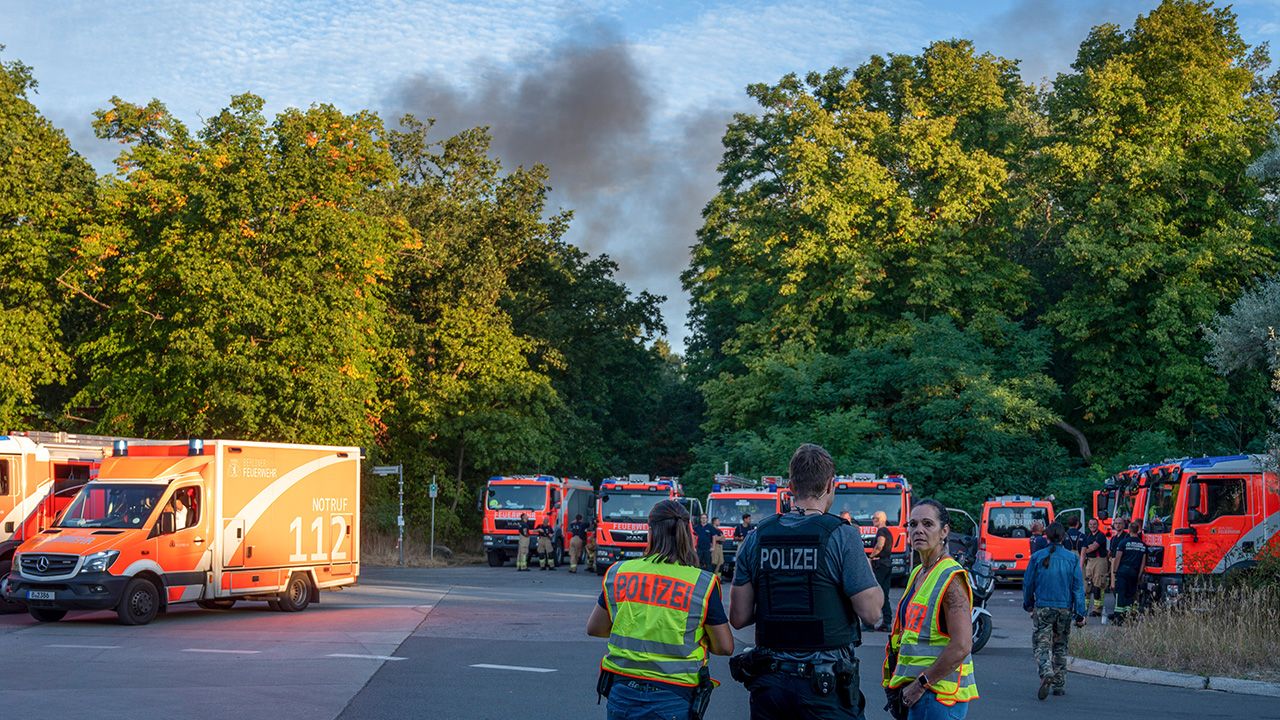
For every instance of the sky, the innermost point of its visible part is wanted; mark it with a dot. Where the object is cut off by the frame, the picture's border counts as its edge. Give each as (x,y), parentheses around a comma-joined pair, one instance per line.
(624,102)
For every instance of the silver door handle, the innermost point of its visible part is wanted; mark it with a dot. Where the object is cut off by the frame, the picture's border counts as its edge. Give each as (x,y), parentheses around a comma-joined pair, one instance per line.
(197,540)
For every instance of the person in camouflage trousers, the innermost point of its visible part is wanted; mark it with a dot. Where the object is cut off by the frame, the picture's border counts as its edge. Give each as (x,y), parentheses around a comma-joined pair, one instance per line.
(1053,592)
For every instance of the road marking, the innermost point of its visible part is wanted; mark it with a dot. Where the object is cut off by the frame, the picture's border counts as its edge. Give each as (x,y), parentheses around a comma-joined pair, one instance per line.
(222,652)
(365,657)
(86,647)
(513,667)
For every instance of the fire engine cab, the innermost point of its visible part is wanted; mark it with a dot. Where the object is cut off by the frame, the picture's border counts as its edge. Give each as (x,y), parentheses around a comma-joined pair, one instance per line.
(539,497)
(622,516)
(1208,516)
(1005,531)
(731,497)
(862,495)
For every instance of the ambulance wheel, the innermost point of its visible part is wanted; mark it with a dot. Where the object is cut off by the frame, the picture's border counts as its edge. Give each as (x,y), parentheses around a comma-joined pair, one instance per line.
(218,604)
(496,558)
(47,614)
(296,595)
(139,604)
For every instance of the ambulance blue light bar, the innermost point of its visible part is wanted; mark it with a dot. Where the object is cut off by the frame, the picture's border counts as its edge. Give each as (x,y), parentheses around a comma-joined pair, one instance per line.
(120,448)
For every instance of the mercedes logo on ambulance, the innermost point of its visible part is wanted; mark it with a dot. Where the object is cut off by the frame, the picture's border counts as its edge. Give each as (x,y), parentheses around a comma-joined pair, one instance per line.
(42,564)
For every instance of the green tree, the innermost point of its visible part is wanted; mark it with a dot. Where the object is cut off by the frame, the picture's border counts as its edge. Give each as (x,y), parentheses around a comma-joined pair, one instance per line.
(1156,222)
(856,197)
(46,191)
(237,276)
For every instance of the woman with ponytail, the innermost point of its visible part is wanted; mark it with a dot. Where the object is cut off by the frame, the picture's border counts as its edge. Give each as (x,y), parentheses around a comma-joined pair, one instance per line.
(1053,592)
(662,615)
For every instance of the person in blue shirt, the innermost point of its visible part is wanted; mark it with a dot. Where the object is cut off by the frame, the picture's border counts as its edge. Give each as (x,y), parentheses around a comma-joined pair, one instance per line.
(1053,592)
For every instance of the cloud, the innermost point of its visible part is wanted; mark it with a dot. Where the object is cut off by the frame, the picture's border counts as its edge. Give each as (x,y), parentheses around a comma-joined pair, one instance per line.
(635,179)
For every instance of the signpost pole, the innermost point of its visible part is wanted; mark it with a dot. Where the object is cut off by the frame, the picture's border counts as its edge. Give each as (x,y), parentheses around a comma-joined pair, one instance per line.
(435,490)
(398,471)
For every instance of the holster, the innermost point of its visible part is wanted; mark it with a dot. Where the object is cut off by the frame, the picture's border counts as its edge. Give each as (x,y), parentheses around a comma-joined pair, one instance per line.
(846,672)
(701,695)
(604,683)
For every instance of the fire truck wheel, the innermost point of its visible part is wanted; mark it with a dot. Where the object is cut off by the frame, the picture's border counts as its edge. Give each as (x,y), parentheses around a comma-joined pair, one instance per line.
(139,604)
(496,558)
(297,594)
(559,551)
(47,614)
(219,604)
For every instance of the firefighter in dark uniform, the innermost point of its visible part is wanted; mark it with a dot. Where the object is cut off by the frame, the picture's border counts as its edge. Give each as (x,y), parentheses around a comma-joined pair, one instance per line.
(803,578)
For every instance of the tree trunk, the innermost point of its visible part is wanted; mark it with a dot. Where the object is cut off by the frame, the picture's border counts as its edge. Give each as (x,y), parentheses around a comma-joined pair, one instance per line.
(1081,440)
(458,489)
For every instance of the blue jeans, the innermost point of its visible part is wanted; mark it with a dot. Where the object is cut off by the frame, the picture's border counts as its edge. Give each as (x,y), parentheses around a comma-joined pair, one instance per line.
(928,708)
(628,703)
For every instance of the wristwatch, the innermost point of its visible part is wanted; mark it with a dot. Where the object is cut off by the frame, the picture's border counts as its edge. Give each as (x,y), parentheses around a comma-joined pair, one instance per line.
(923,680)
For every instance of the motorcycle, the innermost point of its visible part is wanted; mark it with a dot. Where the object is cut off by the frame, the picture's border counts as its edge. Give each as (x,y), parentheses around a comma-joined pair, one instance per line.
(982,579)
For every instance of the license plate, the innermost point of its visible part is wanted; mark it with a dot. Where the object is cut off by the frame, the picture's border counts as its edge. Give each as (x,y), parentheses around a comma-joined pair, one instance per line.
(632,553)
(39,594)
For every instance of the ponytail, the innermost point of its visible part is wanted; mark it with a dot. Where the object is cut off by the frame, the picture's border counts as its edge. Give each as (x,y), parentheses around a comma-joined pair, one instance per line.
(1055,534)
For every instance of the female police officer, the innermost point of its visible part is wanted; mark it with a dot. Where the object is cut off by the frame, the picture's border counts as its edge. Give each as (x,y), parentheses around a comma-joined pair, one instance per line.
(661,614)
(928,659)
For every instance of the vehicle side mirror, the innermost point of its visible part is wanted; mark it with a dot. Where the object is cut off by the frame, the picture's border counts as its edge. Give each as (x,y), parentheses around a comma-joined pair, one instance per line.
(604,498)
(1193,495)
(1185,531)
(555,505)
(167,522)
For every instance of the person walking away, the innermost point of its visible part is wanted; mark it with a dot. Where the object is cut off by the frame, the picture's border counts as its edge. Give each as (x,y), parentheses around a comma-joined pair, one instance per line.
(662,615)
(546,548)
(704,531)
(1053,592)
(803,579)
(522,545)
(928,667)
(1074,541)
(1128,557)
(717,547)
(882,565)
(1097,567)
(1038,540)
(577,542)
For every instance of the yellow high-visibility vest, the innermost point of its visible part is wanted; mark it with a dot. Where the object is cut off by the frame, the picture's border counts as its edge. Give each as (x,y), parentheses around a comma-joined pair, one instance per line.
(657,610)
(919,640)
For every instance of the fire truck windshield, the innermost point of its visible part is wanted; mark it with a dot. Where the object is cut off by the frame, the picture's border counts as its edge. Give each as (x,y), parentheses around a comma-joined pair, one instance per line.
(111,506)
(1162,498)
(517,497)
(630,506)
(731,510)
(862,503)
(1013,522)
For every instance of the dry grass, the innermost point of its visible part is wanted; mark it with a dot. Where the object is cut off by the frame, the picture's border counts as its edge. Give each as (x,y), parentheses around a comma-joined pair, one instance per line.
(380,549)
(1222,632)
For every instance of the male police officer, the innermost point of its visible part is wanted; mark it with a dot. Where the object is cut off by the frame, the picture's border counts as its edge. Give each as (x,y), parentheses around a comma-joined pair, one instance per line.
(804,580)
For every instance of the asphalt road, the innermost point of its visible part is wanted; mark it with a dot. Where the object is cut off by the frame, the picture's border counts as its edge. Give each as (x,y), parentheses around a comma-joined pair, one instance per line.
(472,642)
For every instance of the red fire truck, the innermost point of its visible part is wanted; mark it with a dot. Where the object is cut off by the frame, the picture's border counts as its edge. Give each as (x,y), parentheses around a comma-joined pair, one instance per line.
(732,497)
(862,495)
(1005,531)
(622,516)
(539,497)
(1208,516)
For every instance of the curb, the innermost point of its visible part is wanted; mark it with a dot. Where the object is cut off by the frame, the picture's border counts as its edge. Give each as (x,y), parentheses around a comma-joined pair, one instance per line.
(1172,679)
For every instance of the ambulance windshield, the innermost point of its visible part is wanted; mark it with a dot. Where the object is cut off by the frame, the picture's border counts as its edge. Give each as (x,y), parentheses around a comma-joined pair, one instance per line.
(111,506)
(518,497)
(631,506)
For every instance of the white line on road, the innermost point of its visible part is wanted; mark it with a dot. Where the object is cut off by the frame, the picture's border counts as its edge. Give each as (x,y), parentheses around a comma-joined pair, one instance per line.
(513,667)
(223,652)
(365,657)
(86,647)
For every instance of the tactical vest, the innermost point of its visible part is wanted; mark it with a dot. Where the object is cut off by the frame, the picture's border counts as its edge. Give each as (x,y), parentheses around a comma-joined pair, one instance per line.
(919,641)
(797,606)
(657,610)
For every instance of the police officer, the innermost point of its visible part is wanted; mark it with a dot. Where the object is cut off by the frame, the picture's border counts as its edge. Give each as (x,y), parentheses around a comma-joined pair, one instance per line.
(577,541)
(803,578)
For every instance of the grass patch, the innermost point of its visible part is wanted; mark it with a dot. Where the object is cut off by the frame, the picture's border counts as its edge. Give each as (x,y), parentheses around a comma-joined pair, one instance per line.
(379,548)
(1229,632)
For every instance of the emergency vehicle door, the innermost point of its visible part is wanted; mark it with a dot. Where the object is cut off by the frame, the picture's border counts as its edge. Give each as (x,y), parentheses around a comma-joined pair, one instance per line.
(1217,514)
(183,545)
(233,543)
(340,530)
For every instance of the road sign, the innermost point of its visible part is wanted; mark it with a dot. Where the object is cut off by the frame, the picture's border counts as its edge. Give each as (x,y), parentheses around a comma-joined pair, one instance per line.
(434,490)
(400,521)
(386,469)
